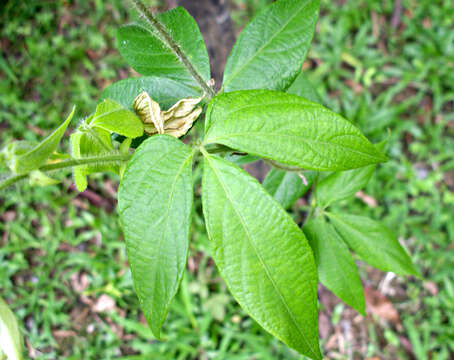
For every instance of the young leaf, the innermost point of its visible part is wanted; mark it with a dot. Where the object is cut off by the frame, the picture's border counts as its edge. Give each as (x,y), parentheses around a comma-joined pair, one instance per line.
(165,91)
(341,185)
(304,88)
(288,129)
(287,187)
(79,176)
(270,51)
(38,178)
(374,243)
(155,203)
(335,265)
(262,255)
(115,118)
(37,156)
(146,53)
(10,337)
(90,142)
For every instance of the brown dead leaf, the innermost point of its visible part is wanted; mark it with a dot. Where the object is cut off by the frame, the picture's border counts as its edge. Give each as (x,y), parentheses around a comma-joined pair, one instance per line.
(175,122)
(8,216)
(32,353)
(63,333)
(379,305)
(356,87)
(79,281)
(367,199)
(431,287)
(104,303)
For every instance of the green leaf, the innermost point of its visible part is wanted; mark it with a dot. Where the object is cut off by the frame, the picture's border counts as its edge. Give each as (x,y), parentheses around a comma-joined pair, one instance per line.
(304,88)
(155,203)
(10,338)
(89,142)
(164,91)
(115,118)
(148,55)
(37,156)
(241,159)
(270,51)
(288,129)
(38,178)
(341,185)
(262,255)
(287,187)
(374,243)
(335,265)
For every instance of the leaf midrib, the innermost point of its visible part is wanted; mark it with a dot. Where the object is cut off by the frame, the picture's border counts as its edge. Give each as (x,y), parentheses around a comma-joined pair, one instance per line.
(172,191)
(249,237)
(390,253)
(298,137)
(346,280)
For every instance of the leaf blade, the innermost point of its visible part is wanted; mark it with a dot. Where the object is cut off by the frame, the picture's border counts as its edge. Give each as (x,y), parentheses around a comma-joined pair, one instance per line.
(165,91)
(374,243)
(308,136)
(115,118)
(304,88)
(37,156)
(155,201)
(286,187)
(341,185)
(148,55)
(335,266)
(253,264)
(10,337)
(271,49)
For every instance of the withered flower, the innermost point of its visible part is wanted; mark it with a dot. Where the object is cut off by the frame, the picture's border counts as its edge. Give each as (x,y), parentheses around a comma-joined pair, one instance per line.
(175,122)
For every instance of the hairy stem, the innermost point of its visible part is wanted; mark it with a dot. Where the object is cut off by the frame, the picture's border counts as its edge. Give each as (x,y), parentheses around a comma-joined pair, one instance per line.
(168,40)
(66,164)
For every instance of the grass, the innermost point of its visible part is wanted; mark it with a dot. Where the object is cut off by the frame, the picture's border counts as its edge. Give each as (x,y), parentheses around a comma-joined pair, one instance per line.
(61,253)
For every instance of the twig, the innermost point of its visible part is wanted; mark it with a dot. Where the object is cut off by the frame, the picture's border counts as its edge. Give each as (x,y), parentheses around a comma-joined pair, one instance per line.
(65,164)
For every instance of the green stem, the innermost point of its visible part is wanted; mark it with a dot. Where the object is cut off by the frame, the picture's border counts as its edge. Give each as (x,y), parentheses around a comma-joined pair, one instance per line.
(65,164)
(168,40)
(11,180)
(313,203)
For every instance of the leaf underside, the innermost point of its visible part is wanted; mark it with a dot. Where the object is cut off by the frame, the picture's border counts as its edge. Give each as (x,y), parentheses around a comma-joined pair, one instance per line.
(164,91)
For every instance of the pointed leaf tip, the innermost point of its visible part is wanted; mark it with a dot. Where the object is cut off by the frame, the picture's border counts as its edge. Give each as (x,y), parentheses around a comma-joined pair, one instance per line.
(273,277)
